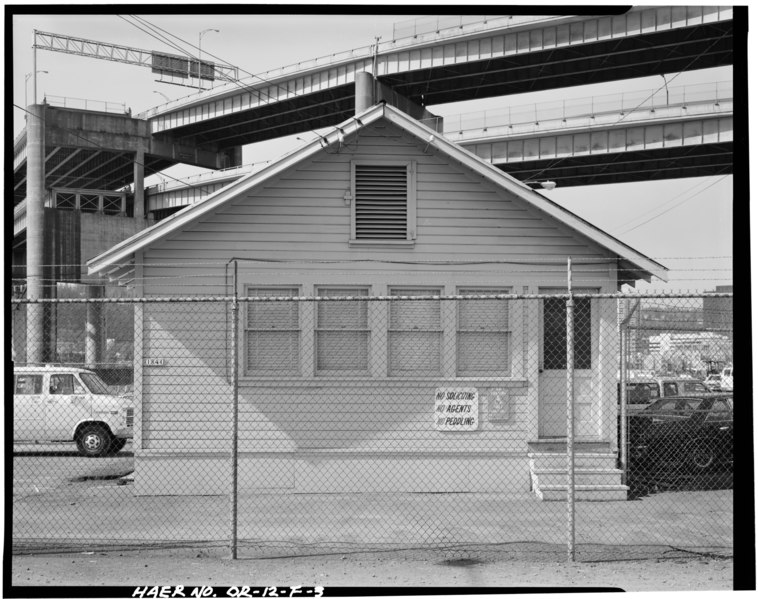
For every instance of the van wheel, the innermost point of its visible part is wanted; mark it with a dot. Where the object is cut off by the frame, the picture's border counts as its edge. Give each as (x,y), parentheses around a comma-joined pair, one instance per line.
(116,446)
(93,440)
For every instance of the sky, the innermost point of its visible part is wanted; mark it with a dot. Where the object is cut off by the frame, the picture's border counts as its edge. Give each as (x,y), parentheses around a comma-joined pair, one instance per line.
(685,224)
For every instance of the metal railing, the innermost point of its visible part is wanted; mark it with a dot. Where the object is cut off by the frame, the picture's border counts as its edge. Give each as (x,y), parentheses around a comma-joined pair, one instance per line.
(700,98)
(87,104)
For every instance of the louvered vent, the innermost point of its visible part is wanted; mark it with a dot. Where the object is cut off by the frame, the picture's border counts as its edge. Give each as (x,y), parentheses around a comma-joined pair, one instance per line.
(381,201)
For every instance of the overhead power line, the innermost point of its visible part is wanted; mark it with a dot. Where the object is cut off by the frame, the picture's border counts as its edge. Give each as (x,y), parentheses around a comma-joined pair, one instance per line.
(670,208)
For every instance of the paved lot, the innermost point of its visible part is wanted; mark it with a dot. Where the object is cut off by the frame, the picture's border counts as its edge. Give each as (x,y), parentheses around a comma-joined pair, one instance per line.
(97,510)
(78,519)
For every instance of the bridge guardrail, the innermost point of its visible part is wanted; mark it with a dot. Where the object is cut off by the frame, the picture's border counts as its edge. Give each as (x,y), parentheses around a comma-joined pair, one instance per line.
(622,103)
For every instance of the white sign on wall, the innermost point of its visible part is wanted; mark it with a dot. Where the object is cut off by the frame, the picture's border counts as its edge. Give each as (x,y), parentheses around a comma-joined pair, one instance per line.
(456,409)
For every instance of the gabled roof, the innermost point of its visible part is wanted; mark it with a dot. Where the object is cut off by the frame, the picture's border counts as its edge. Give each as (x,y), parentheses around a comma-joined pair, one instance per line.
(116,258)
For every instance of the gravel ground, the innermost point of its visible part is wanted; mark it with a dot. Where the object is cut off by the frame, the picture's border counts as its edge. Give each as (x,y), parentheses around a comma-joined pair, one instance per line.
(402,570)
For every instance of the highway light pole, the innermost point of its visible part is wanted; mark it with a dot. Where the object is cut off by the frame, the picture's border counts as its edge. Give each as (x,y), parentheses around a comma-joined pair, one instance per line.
(200,53)
(34,90)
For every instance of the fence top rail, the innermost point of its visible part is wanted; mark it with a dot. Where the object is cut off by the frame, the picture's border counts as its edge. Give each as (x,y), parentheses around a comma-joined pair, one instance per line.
(367,298)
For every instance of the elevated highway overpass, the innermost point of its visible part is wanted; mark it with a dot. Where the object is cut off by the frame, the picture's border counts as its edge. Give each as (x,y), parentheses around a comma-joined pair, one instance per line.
(686,131)
(499,57)
(83,167)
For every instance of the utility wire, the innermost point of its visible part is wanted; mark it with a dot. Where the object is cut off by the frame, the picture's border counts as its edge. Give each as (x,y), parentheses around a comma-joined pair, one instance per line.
(687,199)
(666,203)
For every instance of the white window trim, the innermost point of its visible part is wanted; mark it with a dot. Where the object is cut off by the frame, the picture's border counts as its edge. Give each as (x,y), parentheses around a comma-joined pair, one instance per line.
(244,370)
(480,290)
(341,374)
(440,330)
(410,239)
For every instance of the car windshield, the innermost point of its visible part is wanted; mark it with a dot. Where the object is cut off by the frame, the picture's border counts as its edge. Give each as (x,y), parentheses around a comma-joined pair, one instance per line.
(95,384)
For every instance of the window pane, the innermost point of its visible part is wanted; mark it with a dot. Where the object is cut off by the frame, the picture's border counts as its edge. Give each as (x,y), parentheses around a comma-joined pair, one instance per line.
(272,315)
(273,336)
(342,331)
(484,354)
(415,314)
(484,315)
(275,351)
(62,384)
(28,384)
(342,350)
(348,314)
(483,345)
(554,330)
(414,352)
(414,336)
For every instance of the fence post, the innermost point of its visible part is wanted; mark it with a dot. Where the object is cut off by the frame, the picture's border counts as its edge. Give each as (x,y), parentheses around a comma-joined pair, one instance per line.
(622,392)
(235,415)
(570,415)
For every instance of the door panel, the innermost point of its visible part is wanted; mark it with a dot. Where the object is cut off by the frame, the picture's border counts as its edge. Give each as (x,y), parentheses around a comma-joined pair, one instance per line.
(552,378)
(67,404)
(28,408)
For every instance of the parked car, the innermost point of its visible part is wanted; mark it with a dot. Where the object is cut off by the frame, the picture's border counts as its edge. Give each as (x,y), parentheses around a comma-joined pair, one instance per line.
(696,432)
(56,403)
(713,382)
(727,378)
(640,394)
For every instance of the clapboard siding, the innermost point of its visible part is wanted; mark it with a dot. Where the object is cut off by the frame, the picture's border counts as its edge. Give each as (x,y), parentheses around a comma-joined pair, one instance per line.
(303,213)
(193,341)
(382,418)
(294,230)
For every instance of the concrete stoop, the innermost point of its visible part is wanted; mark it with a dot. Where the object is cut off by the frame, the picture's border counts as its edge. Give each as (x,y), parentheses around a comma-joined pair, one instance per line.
(596,477)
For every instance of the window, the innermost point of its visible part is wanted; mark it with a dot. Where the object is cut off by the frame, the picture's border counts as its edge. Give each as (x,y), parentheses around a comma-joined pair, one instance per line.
(670,389)
(272,332)
(720,412)
(384,200)
(554,332)
(342,333)
(694,387)
(95,384)
(28,384)
(65,384)
(483,335)
(415,334)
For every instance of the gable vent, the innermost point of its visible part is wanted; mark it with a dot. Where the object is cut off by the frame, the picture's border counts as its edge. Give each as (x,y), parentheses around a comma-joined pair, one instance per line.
(381,201)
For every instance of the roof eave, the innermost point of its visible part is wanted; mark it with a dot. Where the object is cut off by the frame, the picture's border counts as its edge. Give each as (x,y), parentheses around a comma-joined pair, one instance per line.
(125,250)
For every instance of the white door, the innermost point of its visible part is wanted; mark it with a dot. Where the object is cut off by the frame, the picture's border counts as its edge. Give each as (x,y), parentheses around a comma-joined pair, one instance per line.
(68,403)
(28,408)
(552,377)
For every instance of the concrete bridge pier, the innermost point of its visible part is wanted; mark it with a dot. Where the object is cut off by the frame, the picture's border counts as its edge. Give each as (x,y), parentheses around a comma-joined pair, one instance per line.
(93,341)
(39,317)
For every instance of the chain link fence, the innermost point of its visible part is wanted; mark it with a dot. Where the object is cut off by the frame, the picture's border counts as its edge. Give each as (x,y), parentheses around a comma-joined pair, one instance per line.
(278,424)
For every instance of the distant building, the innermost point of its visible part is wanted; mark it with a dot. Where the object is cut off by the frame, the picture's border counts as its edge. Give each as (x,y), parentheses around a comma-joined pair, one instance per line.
(704,342)
(718,312)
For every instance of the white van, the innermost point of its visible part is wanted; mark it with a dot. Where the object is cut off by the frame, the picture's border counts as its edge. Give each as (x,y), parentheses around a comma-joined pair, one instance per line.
(57,403)
(727,379)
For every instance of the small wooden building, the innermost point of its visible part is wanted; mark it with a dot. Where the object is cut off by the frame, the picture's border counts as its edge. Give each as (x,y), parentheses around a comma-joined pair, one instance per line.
(320,411)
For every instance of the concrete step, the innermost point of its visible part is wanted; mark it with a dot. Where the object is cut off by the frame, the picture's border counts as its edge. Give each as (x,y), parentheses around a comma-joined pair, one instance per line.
(559,446)
(583,492)
(581,460)
(583,476)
